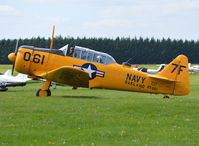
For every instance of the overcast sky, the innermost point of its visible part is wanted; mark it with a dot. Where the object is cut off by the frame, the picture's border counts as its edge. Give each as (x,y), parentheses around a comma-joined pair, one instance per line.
(177,19)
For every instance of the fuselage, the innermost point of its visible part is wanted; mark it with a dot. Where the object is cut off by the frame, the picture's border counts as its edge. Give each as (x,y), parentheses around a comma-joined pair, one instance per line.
(35,61)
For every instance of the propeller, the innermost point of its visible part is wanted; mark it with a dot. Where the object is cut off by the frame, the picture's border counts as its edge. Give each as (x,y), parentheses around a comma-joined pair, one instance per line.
(12,56)
(52,38)
(15,53)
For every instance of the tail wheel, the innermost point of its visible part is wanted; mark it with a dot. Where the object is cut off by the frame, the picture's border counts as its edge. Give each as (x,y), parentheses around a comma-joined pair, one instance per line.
(43,92)
(166,96)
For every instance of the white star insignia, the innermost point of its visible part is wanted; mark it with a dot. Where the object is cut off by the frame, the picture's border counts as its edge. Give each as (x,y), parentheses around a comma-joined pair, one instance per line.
(89,70)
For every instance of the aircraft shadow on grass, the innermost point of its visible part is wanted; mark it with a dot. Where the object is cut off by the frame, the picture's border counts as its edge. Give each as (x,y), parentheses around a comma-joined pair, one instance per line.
(79,97)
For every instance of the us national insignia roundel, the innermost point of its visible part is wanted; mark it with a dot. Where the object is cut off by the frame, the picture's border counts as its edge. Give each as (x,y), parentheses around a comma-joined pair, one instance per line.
(91,69)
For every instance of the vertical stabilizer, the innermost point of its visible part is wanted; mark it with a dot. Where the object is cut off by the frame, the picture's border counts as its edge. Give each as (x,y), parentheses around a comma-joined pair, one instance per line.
(178,70)
(8,73)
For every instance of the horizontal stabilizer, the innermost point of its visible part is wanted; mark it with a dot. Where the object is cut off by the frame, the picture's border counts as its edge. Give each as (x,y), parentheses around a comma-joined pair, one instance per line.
(161,78)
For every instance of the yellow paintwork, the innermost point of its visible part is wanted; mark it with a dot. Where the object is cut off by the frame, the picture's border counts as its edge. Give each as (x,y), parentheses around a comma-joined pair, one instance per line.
(45,85)
(173,80)
(12,57)
(68,75)
(43,93)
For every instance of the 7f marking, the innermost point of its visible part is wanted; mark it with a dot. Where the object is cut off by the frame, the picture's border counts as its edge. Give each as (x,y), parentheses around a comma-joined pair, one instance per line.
(176,66)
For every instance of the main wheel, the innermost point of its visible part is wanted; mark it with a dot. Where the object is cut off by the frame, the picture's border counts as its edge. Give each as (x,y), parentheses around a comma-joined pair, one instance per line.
(3,89)
(43,92)
(74,88)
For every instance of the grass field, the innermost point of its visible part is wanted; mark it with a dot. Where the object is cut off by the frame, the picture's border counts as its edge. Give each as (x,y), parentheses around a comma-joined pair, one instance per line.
(97,117)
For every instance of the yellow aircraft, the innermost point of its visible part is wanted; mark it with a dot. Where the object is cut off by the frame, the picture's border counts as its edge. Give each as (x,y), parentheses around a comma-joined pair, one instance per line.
(82,67)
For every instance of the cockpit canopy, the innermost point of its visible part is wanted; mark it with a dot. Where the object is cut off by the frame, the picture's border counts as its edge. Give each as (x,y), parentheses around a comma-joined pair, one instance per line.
(88,54)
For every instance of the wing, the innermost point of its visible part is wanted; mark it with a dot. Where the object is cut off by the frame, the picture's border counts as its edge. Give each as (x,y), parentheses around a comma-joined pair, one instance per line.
(68,75)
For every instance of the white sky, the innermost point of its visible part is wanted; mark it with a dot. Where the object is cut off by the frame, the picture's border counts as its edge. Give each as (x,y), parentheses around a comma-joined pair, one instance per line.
(177,19)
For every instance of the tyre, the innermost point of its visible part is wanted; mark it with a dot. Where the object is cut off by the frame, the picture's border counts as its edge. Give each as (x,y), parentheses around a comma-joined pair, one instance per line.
(43,92)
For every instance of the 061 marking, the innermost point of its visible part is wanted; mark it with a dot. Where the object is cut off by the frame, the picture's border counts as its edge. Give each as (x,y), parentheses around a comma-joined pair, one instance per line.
(37,58)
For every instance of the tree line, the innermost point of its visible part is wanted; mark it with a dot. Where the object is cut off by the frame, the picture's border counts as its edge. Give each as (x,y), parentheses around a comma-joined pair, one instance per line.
(140,50)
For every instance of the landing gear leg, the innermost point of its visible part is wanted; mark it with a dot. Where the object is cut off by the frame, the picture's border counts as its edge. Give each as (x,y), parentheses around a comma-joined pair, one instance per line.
(166,96)
(44,89)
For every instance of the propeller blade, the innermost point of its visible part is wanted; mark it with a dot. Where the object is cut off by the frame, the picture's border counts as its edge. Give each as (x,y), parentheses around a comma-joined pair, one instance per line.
(16,50)
(16,47)
(13,67)
(52,39)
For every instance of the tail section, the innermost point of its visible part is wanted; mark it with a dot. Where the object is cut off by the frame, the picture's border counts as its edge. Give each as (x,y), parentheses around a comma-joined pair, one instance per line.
(178,70)
(8,73)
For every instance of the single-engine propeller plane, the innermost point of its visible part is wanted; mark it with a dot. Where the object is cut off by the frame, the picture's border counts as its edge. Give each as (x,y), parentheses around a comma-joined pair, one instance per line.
(150,71)
(194,68)
(7,80)
(82,67)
